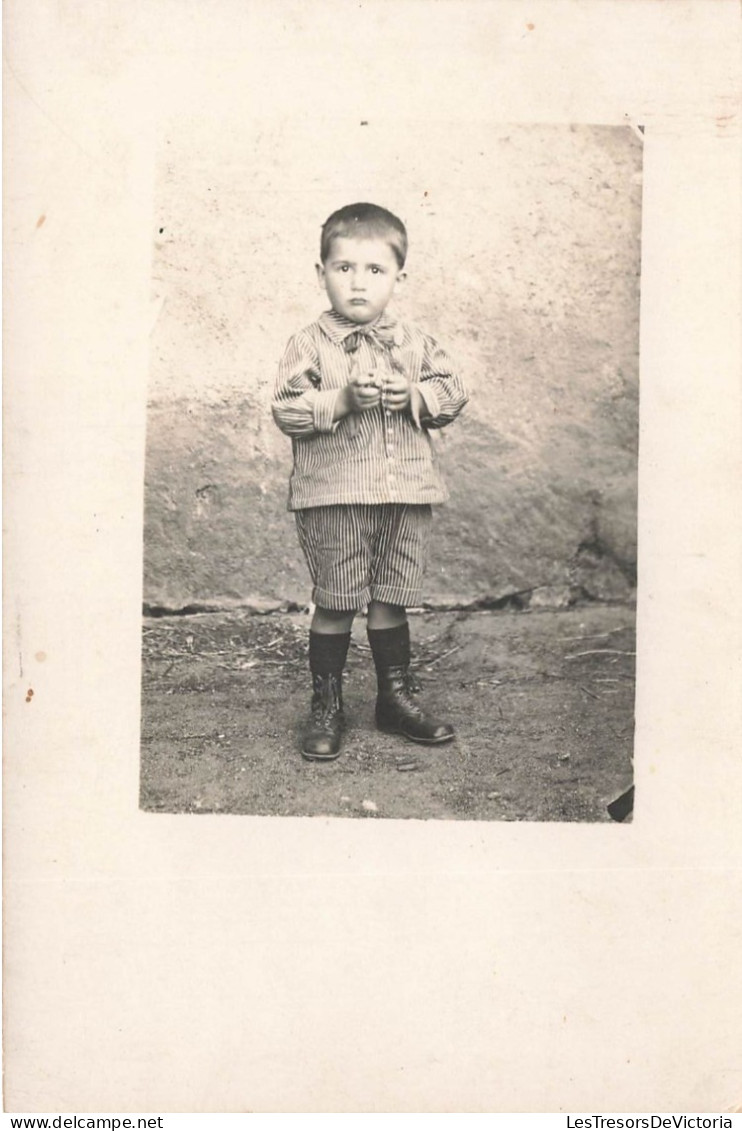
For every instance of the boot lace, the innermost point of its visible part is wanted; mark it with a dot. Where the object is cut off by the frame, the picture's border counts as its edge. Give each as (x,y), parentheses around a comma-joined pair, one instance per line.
(326,706)
(413,684)
(409,689)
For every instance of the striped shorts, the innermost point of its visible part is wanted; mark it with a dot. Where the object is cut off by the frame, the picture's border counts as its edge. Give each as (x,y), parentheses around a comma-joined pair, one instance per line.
(358,553)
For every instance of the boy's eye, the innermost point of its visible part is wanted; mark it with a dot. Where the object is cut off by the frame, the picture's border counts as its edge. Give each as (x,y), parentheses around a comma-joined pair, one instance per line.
(376,271)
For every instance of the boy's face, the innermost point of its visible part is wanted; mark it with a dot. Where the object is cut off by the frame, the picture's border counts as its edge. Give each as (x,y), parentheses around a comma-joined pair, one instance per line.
(359,276)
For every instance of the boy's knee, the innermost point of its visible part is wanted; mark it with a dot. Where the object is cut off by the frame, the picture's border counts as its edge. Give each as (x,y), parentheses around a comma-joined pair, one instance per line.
(387,607)
(332,620)
(382,615)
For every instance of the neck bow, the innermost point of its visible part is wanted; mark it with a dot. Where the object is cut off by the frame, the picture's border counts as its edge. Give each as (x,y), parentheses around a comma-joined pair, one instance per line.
(385,337)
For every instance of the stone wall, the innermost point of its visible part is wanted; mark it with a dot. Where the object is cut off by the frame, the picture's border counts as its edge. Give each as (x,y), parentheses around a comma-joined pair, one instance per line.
(525,260)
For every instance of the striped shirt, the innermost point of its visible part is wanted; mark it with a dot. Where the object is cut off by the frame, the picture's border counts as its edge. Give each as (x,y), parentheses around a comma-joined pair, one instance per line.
(377,456)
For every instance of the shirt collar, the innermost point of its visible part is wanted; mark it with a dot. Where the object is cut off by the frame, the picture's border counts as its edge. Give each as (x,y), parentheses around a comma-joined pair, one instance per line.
(338,328)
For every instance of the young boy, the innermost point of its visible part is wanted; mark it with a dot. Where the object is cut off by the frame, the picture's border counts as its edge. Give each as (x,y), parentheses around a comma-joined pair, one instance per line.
(358,392)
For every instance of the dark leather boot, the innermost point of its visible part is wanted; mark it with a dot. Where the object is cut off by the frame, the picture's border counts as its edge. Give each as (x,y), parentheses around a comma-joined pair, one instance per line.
(321,739)
(398,712)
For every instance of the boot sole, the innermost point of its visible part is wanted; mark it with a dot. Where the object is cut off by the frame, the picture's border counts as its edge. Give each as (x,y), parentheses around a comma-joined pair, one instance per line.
(414,738)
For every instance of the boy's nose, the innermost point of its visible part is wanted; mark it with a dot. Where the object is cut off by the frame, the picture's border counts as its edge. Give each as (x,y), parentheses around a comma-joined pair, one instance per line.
(357,283)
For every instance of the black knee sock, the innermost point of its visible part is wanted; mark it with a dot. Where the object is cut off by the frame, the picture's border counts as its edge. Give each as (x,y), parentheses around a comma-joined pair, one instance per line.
(390,646)
(327,652)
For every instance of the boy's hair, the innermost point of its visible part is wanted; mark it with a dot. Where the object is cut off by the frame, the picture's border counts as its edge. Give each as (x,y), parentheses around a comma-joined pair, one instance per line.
(365,221)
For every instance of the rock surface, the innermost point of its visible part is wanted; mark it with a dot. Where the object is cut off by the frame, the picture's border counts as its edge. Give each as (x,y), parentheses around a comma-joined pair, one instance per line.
(525,260)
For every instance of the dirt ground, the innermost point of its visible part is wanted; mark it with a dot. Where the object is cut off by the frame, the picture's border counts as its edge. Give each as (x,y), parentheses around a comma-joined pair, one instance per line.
(542,703)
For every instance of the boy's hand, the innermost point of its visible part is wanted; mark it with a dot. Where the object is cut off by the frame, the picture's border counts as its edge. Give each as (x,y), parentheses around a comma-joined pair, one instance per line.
(396,392)
(364,391)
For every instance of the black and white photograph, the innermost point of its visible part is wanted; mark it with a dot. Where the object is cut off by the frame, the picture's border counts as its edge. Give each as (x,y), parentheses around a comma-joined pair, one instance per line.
(372,573)
(401,606)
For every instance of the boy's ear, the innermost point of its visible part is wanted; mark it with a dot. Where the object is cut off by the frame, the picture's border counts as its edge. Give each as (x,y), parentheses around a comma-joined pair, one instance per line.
(320,274)
(401,278)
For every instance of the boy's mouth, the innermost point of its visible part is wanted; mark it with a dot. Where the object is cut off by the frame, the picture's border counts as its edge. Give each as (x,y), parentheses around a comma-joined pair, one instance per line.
(358,301)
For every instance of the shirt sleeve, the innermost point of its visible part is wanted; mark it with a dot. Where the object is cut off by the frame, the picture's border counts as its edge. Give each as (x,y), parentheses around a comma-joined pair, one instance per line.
(440,388)
(300,406)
